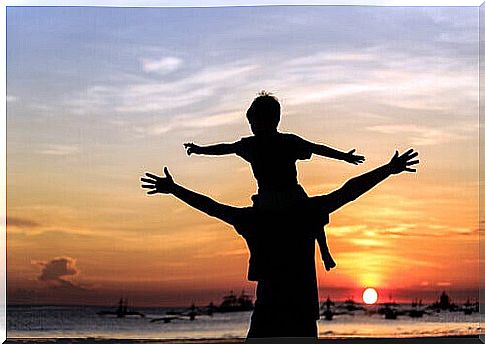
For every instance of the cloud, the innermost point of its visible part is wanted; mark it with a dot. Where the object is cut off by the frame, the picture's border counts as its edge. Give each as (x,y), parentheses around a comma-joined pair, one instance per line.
(206,84)
(390,81)
(164,65)
(193,122)
(327,57)
(366,242)
(443,284)
(54,271)
(11,99)
(378,235)
(169,100)
(21,222)
(61,150)
(422,135)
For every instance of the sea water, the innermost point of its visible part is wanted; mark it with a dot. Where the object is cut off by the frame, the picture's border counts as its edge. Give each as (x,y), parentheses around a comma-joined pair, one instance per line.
(82,322)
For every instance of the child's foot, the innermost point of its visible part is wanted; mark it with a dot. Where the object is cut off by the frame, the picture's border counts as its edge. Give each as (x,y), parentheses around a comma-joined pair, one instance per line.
(328,262)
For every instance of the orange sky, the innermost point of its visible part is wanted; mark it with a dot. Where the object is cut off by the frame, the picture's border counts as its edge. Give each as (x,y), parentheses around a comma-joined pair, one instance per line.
(81,230)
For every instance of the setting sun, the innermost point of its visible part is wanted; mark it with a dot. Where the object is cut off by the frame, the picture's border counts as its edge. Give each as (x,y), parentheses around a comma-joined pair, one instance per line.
(369,296)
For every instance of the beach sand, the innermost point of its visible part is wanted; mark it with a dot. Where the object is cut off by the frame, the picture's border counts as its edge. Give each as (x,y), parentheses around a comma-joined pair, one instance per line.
(427,340)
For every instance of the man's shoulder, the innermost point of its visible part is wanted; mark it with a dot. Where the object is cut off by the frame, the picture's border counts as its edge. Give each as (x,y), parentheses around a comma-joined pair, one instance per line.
(243,217)
(289,136)
(318,201)
(245,139)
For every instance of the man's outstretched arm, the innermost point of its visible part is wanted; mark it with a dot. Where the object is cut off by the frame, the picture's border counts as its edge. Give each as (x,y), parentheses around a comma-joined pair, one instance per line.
(166,185)
(357,186)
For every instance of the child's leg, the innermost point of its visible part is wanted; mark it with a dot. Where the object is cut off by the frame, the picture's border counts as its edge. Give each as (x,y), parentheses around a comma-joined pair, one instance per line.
(325,252)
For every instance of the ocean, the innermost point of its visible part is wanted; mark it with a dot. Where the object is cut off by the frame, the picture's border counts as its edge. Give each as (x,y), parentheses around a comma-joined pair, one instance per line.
(82,322)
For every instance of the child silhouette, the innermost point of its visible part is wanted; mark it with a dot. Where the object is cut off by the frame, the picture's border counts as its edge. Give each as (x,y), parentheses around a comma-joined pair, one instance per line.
(273,157)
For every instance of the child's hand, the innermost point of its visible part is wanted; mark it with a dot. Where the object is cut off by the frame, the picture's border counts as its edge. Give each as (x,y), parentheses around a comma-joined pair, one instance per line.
(353,158)
(192,148)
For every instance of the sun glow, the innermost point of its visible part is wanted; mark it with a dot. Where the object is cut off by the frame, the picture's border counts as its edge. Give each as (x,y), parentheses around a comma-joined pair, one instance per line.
(369,296)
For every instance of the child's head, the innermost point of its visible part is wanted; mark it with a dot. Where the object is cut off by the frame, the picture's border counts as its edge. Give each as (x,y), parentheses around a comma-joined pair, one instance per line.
(264,114)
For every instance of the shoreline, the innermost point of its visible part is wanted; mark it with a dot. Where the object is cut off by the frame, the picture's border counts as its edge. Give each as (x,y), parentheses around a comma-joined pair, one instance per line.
(336,340)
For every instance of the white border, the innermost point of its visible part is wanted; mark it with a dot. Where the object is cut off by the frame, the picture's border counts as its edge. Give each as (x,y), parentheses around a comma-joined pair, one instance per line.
(3,175)
(142,3)
(226,3)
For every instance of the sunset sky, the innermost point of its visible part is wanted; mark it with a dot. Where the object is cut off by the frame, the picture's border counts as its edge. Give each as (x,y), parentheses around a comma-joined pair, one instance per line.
(98,96)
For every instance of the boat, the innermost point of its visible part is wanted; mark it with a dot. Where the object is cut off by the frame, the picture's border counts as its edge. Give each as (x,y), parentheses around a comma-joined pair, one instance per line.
(233,303)
(121,311)
(351,306)
(328,313)
(190,314)
(416,310)
(166,319)
(443,304)
(468,307)
(390,313)
(389,309)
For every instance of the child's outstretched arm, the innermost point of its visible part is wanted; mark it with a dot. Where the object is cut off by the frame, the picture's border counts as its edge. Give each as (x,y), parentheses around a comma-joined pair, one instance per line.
(329,152)
(217,149)
(166,185)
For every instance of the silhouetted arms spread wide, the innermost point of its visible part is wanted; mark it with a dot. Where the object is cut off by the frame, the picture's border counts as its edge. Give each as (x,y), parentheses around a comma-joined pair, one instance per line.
(357,186)
(166,185)
(217,149)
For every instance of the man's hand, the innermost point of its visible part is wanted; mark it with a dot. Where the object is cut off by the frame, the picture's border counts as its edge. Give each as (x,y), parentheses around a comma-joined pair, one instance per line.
(192,148)
(402,163)
(352,158)
(158,184)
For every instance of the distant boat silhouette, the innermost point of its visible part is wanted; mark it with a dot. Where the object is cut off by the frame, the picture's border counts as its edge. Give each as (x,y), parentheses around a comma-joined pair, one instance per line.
(328,313)
(166,319)
(390,313)
(416,310)
(444,304)
(468,307)
(190,314)
(121,311)
(232,303)
(389,309)
(351,306)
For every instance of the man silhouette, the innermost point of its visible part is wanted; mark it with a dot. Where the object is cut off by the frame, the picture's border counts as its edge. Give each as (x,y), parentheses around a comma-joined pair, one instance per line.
(282,246)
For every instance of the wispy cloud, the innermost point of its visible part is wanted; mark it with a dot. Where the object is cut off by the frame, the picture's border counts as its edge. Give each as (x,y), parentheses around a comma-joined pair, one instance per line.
(367,234)
(11,99)
(377,76)
(21,222)
(421,135)
(160,96)
(162,66)
(60,150)
(443,284)
(193,121)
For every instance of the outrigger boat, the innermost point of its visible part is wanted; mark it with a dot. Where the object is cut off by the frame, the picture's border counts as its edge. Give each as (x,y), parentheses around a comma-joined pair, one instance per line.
(232,303)
(327,313)
(121,311)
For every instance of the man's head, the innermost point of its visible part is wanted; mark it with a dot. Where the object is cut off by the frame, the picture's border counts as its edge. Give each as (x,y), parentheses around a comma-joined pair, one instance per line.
(264,114)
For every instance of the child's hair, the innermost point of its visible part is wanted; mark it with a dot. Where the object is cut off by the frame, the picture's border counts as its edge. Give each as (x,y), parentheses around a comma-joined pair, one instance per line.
(266,106)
